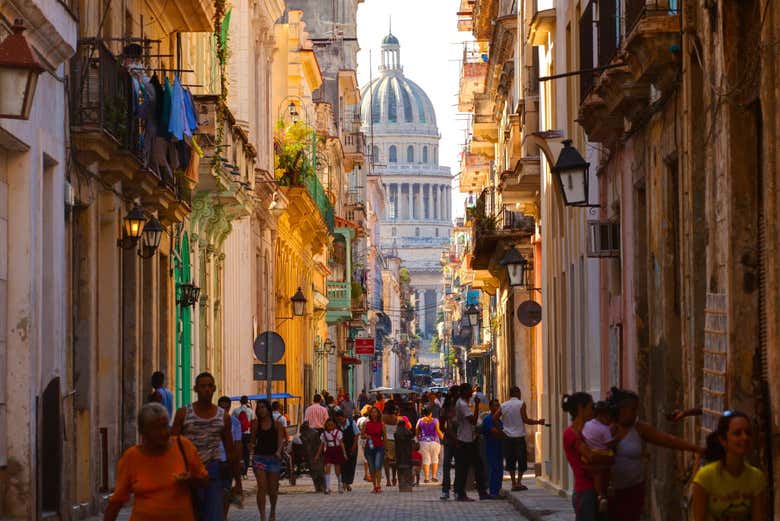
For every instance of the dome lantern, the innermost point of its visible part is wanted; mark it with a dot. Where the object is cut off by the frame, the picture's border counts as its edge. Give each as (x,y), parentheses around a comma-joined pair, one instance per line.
(392,102)
(391,51)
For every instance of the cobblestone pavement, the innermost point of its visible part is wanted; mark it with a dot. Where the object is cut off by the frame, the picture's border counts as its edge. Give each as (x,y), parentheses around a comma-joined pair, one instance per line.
(301,503)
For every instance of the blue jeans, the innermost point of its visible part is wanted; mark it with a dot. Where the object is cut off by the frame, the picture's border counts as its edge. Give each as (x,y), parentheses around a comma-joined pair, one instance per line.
(375,457)
(210,498)
(446,469)
(586,506)
(494,456)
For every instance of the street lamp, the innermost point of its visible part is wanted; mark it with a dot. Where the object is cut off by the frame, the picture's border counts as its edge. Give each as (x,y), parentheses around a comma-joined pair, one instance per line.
(299,303)
(19,71)
(516,268)
(134,225)
(328,347)
(188,294)
(293,112)
(138,228)
(571,169)
(153,231)
(473,315)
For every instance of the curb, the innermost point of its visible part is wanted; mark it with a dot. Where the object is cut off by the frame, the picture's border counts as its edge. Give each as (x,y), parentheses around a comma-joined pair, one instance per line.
(532,515)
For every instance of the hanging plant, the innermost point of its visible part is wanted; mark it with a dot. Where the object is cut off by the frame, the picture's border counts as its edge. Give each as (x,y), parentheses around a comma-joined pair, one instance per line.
(292,143)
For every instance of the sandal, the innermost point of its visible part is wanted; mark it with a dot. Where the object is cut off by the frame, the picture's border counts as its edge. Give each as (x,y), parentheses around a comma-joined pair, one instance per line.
(518,488)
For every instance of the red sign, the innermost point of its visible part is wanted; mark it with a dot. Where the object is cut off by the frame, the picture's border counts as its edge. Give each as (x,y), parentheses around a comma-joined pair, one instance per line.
(364,346)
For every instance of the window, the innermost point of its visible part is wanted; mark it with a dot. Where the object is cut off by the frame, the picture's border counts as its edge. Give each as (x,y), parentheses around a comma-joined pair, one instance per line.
(392,103)
(407,105)
(393,154)
(437,232)
(425,154)
(603,239)
(410,154)
(375,154)
(395,231)
(416,232)
(435,155)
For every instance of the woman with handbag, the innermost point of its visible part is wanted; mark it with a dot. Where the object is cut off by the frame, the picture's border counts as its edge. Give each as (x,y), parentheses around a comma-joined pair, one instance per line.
(268,438)
(210,429)
(160,472)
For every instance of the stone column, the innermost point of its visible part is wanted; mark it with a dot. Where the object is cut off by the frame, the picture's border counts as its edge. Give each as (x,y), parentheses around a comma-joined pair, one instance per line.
(427,202)
(413,210)
(411,202)
(435,202)
(394,199)
(449,203)
(426,208)
(443,207)
(420,209)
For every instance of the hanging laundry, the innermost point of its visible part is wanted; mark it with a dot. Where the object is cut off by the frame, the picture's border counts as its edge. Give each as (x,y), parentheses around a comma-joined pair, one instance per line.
(165,117)
(158,94)
(177,124)
(149,113)
(192,119)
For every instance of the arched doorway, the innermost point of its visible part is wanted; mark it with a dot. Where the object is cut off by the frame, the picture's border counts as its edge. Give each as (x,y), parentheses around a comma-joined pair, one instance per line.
(182,274)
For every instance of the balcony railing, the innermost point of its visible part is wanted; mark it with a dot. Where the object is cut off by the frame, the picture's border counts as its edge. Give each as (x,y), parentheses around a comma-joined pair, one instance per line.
(317,193)
(101,94)
(102,100)
(339,295)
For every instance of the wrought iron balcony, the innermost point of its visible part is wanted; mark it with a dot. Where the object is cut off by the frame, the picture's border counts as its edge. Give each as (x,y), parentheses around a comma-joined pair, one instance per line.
(491,226)
(640,59)
(107,128)
(320,198)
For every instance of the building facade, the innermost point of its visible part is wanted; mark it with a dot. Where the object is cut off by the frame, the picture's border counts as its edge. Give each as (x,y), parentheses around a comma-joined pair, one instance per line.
(402,137)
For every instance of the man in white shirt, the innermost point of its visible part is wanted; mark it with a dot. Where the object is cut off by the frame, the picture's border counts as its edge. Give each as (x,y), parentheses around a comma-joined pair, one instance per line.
(515,418)
(466,450)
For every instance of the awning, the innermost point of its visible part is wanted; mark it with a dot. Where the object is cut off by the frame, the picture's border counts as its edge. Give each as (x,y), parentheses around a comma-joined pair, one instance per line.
(274,396)
(350,360)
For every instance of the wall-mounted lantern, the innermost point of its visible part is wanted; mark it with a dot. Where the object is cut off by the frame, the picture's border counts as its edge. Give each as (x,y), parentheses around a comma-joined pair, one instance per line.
(19,71)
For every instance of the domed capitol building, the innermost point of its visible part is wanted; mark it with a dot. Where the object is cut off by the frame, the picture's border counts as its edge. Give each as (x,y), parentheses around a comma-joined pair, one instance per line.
(399,122)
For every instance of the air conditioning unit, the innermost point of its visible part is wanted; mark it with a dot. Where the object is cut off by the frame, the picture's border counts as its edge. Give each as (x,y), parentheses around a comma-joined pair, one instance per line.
(603,239)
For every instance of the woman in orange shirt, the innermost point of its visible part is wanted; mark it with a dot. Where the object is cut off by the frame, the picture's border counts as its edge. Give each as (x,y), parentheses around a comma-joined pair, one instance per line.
(156,473)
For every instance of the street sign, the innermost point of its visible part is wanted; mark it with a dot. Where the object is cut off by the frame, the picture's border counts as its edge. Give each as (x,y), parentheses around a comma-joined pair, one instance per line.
(278,372)
(269,345)
(529,313)
(364,346)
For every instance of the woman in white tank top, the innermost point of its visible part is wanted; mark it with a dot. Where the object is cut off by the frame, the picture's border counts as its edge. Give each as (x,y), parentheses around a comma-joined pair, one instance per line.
(627,473)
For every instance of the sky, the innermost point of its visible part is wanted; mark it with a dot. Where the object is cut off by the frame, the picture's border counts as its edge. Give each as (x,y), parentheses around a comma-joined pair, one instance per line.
(431,50)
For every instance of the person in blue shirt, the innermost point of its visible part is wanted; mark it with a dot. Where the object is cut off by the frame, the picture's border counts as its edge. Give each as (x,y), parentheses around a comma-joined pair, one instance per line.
(158,384)
(493,431)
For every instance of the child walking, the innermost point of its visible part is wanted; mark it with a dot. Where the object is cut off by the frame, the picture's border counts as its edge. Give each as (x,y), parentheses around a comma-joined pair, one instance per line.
(598,436)
(416,462)
(335,454)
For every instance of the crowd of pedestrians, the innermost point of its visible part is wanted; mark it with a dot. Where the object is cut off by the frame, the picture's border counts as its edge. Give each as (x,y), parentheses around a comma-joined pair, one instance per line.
(190,467)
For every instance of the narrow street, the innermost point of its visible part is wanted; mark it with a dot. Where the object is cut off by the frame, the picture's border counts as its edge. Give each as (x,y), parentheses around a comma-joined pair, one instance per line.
(541,234)
(301,503)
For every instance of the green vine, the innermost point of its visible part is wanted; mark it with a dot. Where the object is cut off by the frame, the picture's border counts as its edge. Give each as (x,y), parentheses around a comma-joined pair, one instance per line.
(222,54)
